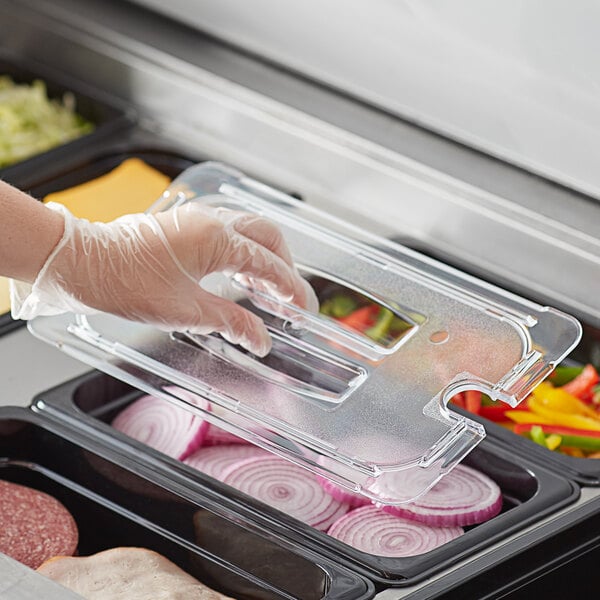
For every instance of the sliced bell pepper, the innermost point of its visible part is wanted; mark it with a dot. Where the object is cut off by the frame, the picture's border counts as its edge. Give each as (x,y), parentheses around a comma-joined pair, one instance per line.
(563,418)
(338,306)
(563,374)
(379,331)
(473,401)
(583,384)
(458,399)
(553,441)
(575,452)
(495,413)
(571,437)
(526,416)
(536,433)
(596,396)
(362,318)
(559,400)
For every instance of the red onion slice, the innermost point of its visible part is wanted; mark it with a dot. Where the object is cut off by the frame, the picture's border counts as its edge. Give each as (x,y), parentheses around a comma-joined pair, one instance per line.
(214,460)
(343,495)
(162,425)
(286,487)
(462,497)
(215,436)
(374,531)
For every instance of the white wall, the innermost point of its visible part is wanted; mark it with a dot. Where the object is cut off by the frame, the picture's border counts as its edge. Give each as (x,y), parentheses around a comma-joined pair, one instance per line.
(520,78)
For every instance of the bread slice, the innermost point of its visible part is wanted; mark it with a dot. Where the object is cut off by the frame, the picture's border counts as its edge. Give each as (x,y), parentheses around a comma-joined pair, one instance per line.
(126,574)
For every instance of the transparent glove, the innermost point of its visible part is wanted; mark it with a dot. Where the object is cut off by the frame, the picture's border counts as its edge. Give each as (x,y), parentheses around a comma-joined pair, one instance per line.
(148,267)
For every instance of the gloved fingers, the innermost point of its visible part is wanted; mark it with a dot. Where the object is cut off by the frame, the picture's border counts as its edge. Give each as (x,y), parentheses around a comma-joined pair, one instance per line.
(206,239)
(254,227)
(267,234)
(241,255)
(263,232)
(236,324)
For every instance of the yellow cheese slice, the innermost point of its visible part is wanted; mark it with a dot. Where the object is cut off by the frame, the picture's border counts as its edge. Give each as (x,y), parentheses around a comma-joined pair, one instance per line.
(129,188)
(4,296)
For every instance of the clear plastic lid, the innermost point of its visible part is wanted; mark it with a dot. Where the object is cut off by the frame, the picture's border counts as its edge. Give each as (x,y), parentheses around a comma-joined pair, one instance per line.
(366,408)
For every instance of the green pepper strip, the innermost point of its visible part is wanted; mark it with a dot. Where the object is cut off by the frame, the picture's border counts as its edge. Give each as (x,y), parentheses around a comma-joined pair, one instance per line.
(563,374)
(338,306)
(571,437)
(379,331)
(537,435)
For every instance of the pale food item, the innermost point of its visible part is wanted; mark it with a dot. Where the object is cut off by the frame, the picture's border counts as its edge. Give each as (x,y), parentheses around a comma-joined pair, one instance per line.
(31,122)
(126,574)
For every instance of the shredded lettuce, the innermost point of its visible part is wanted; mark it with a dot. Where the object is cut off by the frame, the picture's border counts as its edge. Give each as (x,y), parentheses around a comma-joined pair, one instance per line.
(31,123)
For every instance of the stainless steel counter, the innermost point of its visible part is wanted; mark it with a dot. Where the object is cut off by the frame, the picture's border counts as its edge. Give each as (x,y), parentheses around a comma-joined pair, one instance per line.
(372,169)
(29,366)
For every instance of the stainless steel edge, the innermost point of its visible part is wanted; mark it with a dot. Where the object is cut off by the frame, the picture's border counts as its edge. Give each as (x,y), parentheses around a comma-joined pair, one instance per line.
(354,161)
(551,249)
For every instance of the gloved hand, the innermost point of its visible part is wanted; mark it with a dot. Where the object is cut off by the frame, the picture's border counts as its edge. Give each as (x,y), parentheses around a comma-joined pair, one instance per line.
(147,268)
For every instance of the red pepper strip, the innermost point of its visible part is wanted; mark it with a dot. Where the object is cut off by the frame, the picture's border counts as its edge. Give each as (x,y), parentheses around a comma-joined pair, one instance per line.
(361,318)
(583,384)
(473,401)
(495,413)
(558,429)
(459,399)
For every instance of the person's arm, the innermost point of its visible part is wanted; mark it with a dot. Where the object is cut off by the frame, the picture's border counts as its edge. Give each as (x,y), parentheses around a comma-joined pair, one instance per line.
(147,268)
(28,233)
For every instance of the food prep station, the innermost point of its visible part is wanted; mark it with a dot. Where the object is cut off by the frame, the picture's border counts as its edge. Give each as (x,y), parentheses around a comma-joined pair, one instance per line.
(164,92)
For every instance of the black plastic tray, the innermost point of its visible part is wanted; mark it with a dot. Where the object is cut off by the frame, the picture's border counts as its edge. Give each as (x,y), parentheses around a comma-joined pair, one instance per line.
(585,471)
(164,160)
(108,114)
(530,492)
(557,559)
(117,503)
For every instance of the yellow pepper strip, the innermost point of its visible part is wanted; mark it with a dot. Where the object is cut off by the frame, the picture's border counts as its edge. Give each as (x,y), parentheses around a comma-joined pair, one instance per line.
(561,401)
(561,418)
(553,441)
(526,416)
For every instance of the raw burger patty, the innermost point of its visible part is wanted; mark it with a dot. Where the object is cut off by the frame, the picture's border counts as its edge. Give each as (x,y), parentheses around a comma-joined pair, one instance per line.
(34,526)
(126,574)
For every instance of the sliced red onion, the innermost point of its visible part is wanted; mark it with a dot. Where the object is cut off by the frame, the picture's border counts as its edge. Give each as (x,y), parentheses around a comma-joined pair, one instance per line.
(287,487)
(343,495)
(214,460)
(215,436)
(464,496)
(374,531)
(162,425)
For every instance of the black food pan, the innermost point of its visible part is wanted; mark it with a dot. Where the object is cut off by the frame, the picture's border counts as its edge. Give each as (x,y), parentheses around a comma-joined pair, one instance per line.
(164,160)
(585,471)
(530,491)
(108,114)
(116,503)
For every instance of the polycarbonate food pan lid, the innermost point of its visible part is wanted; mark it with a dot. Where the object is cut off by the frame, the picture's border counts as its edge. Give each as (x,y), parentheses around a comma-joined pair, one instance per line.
(369,414)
